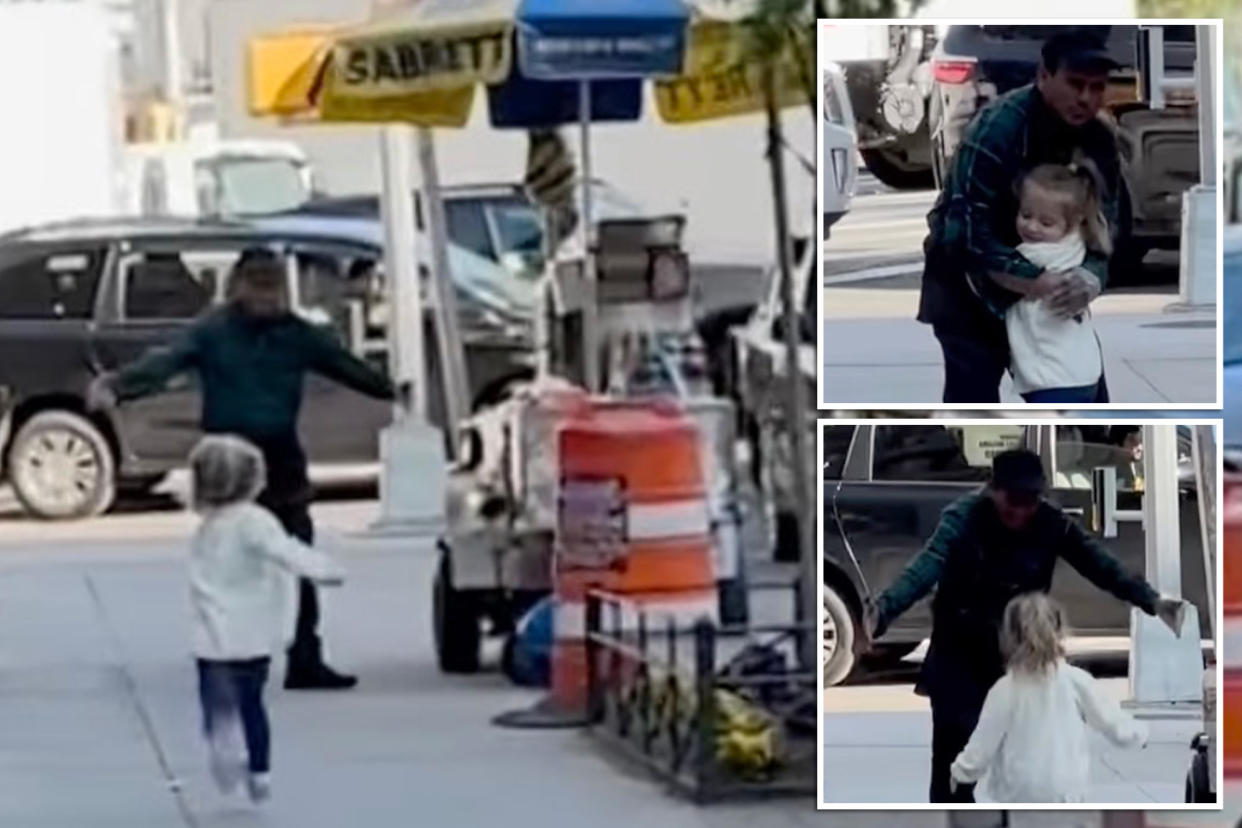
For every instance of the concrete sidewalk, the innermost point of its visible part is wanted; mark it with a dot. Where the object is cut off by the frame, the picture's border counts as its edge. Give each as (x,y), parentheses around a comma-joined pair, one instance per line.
(99,716)
(1149,357)
(884,757)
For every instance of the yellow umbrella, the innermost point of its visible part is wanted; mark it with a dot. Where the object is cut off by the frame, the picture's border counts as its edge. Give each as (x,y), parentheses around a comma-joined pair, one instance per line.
(421,67)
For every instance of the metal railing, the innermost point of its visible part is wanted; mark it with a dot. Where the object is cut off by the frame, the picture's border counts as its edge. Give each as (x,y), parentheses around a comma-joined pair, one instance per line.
(661,694)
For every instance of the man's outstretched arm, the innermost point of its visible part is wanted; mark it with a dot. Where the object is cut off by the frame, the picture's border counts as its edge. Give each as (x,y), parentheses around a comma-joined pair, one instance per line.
(330,358)
(924,571)
(1094,562)
(151,372)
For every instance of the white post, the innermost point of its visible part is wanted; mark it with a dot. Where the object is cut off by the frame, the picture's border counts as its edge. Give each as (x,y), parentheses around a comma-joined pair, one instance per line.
(1198,244)
(412,481)
(174,83)
(1206,91)
(448,334)
(405,296)
(1164,668)
(1208,486)
(590,309)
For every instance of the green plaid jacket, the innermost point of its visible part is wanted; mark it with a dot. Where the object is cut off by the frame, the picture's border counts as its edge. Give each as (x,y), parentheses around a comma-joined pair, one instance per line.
(971,225)
(1080,550)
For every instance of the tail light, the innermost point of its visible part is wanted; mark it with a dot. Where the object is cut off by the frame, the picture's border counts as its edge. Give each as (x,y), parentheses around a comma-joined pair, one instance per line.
(953,71)
(840,172)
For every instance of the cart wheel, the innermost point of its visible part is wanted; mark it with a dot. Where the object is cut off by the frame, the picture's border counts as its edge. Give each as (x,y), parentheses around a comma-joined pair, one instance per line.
(456,623)
(1198,786)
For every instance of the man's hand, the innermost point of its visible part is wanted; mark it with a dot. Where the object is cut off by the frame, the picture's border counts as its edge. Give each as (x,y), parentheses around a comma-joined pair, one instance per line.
(865,635)
(99,395)
(1072,297)
(1047,284)
(1172,611)
(405,395)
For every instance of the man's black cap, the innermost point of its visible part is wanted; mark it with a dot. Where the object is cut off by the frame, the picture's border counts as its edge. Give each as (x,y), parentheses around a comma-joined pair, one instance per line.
(1079,49)
(258,260)
(1018,471)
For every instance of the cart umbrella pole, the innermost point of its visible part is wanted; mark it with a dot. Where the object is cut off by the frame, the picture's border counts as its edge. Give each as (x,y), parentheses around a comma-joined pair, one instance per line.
(448,332)
(590,308)
(405,304)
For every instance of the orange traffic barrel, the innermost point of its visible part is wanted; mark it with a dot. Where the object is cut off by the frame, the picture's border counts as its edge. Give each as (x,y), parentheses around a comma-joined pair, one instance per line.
(633,519)
(1231,634)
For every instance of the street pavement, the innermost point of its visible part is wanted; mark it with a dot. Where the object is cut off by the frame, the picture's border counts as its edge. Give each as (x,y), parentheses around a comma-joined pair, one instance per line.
(889,728)
(875,352)
(99,717)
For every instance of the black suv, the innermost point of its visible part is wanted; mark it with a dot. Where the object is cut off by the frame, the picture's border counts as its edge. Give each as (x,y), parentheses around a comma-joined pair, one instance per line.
(1159,149)
(886,485)
(84,297)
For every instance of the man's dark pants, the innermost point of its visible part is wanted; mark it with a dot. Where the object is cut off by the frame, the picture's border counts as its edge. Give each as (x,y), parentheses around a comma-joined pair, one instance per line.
(288,497)
(306,651)
(952,724)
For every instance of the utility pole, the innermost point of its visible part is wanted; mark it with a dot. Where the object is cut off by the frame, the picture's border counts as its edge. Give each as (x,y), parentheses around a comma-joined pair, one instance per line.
(795,396)
(174,80)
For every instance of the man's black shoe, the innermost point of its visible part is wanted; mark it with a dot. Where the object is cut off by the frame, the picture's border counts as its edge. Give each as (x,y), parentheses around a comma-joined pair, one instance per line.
(320,677)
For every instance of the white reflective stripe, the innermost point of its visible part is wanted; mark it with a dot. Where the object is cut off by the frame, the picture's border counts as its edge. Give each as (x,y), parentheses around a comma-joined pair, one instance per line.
(674,519)
(1231,642)
(569,618)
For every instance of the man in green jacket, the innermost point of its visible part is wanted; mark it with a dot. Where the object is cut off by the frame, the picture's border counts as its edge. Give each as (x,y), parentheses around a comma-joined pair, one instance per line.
(989,548)
(251,356)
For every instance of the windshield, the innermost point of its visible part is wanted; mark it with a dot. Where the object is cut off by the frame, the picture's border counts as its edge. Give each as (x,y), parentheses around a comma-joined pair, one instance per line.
(518,225)
(251,186)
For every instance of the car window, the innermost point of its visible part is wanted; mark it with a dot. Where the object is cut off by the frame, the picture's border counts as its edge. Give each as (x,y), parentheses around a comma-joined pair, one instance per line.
(173,283)
(467,226)
(332,283)
(41,283)
(837,440)
(931,453)
(1081,449)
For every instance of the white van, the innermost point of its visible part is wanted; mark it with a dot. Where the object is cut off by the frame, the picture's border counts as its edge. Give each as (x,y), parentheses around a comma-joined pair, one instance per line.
(216,178)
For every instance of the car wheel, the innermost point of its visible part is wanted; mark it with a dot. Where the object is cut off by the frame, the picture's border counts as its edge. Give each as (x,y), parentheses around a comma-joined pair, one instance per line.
(61,467)
(455,622)
(837,630)
(895,171)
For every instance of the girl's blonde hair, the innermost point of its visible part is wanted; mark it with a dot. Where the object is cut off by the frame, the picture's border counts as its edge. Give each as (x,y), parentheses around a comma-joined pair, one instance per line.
(1079,184)
(1033,633)
(225,469)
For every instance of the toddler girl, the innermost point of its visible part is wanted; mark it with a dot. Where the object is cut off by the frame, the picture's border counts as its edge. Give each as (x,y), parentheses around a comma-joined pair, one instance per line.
(242,564)
(1030,745)
(1053,359)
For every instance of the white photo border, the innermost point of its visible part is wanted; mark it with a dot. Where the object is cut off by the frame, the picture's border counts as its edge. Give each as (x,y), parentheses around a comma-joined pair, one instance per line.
(1218,624)
(932,405)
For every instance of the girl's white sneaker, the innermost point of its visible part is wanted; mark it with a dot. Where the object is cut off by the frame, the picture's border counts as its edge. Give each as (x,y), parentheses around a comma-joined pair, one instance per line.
(226,768)
(259,786)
